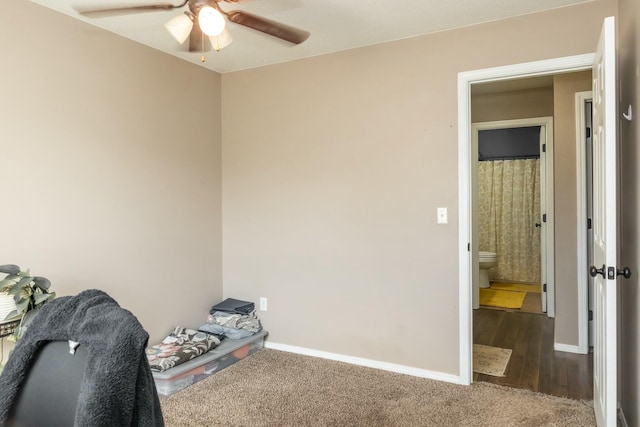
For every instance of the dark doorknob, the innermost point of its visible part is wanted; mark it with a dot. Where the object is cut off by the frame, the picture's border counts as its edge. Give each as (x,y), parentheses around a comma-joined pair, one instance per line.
(538,224)
(593,271)
(625,272)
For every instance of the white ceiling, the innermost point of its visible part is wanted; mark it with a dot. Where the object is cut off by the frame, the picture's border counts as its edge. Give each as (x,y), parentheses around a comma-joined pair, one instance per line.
(335,25)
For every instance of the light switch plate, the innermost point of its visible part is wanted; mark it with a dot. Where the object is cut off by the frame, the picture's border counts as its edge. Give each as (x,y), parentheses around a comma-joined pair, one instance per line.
(442,216)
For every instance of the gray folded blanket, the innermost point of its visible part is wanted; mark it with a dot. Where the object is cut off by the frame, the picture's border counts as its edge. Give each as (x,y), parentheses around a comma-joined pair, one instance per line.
(232,325)
(118,387)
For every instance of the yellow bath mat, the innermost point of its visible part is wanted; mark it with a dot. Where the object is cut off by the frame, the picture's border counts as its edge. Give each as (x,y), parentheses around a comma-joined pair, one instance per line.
(516,287)
(503,299)
(490,360)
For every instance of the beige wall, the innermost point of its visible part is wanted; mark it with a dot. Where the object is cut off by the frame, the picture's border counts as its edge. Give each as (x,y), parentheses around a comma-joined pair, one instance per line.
(629,60)
(108,180)
(517,104)
(333,169)
(565,203)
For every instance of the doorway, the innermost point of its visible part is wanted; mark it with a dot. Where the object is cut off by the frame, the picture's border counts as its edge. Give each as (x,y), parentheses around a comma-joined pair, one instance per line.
(531,339)
(514,215)
(465,81)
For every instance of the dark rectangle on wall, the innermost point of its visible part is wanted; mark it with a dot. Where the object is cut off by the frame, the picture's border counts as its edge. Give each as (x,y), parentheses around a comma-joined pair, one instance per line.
(509,143)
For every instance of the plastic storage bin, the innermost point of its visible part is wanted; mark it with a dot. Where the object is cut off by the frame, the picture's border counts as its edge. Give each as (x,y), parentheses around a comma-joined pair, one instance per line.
(226,354)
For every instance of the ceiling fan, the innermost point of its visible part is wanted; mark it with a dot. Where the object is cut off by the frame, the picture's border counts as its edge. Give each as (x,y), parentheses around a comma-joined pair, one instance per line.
(204,23)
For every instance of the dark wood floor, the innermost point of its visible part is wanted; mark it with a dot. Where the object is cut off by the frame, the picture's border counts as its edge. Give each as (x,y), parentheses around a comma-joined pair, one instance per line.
(534,365)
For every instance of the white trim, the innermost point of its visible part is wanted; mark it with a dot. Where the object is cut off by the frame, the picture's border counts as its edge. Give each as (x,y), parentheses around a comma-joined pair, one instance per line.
(545,67)
(581,223)
(567,348)
(369,363)
(550,229)
(465,284)
(465,80)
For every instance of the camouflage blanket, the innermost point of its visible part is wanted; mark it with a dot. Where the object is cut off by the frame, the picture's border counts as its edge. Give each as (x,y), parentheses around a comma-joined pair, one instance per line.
(179,346)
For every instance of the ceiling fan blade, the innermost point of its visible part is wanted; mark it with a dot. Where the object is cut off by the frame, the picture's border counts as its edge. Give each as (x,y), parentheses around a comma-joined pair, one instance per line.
(275,29)
(113,11)
(198,41)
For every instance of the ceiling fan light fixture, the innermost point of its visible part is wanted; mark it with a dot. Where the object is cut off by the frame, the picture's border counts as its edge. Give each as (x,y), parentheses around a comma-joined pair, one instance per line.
(222,40)
(180,27)
(211,21)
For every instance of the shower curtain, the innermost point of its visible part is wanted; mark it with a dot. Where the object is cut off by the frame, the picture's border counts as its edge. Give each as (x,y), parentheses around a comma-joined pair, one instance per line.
(509,208)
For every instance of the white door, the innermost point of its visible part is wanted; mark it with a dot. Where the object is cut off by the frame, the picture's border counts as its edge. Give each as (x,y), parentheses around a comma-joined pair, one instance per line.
(604,227)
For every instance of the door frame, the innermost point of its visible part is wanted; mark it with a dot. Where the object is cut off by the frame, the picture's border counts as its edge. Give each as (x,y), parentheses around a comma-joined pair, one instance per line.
(546,203)
(583,244)
(465,80)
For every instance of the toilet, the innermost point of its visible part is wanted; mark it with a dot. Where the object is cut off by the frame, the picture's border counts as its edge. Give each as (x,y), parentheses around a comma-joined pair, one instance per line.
(486,260)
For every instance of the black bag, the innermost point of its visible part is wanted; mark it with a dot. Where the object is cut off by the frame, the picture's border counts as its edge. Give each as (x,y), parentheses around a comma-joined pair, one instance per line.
(231,305)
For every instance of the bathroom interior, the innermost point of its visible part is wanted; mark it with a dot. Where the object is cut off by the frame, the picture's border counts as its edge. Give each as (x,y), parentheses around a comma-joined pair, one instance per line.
(513,189)
(509,218)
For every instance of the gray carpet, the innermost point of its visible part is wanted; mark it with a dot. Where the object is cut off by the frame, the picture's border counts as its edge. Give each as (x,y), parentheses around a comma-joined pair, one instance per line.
(274,388)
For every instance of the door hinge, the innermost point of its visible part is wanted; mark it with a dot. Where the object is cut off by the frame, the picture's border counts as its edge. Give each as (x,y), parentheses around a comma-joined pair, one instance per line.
(588,132)
(468,247)
(590,315)
(544,148)
(544,287)
(588,223)
(611,273)
(544,218)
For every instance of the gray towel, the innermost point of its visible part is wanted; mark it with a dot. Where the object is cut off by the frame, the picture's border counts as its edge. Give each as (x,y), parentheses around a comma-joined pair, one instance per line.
(118,387)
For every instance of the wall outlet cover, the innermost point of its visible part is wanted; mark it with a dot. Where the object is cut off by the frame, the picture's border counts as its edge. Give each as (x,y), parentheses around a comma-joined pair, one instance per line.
(442,216)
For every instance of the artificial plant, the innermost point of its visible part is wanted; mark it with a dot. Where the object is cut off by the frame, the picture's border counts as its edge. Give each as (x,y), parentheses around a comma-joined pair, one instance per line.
(29,292)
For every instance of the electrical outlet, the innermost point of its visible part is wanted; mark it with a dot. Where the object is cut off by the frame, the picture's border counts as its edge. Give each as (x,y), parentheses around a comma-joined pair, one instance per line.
(263,304)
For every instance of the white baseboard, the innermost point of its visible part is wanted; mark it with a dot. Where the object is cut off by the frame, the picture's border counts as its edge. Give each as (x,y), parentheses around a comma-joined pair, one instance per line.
(622,421)
(567,348)
(385,366)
